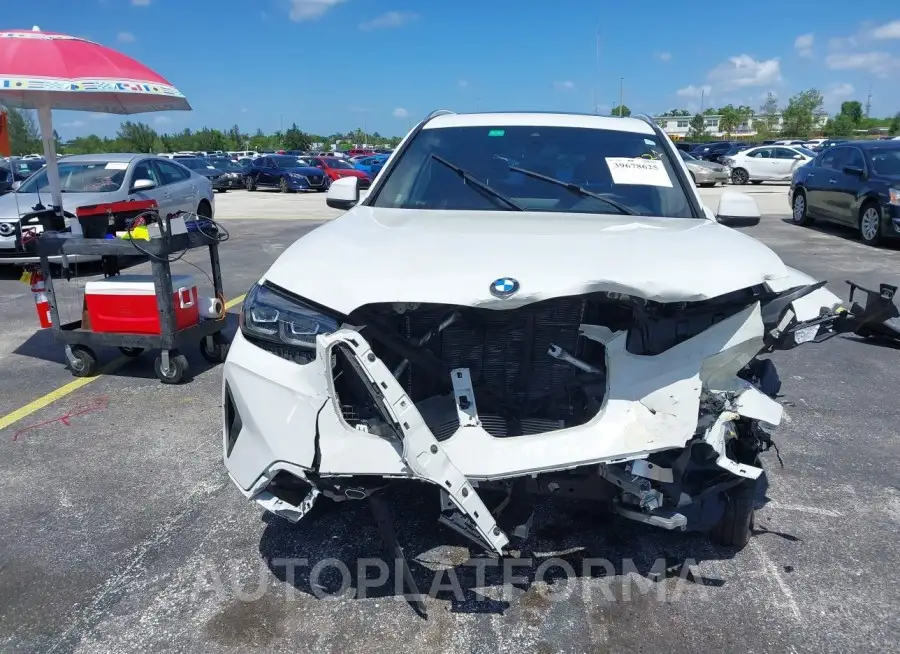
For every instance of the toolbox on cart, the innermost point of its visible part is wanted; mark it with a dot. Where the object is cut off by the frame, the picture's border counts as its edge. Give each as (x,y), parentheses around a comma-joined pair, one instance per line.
(98,220)
(126,304)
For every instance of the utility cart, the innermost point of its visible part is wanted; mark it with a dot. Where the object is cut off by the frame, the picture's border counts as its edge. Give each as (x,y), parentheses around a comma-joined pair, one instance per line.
(170,338)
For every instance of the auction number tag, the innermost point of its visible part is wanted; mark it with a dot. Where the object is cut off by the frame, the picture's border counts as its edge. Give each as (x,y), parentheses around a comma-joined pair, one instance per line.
(647,172)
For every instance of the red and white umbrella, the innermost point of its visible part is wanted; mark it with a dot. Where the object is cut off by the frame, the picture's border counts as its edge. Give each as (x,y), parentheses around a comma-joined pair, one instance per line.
(45,71)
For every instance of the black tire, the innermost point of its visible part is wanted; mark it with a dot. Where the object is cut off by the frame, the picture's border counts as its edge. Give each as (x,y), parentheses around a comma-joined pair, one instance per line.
(707,184)
(85,364)
(870,224)
(756,181)
(131,351)
(219,351)
(178,367)
(736,526)
(739,176)
(283,185)
(204,210)
(250,183)
(222,190)
(800,214)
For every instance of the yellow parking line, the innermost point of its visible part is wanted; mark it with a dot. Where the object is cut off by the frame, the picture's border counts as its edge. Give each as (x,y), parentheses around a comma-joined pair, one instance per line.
(72,386)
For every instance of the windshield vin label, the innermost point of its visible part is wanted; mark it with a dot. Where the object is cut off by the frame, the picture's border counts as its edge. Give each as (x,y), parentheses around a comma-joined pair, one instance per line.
(647,172)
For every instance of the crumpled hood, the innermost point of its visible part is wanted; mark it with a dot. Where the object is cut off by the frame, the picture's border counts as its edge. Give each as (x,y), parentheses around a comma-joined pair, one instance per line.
(452,257)
(703,163)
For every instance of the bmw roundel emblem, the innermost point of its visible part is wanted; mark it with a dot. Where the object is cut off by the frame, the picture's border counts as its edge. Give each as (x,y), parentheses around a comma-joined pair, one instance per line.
(504,287)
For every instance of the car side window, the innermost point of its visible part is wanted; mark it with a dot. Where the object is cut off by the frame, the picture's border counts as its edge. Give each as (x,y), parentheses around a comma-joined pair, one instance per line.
(172,173)
(834,158)
(854,159)
(784,153)
(761,153)
(145,170)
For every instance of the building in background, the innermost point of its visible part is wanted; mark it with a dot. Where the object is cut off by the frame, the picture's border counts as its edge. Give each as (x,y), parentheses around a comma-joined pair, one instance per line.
(677,127)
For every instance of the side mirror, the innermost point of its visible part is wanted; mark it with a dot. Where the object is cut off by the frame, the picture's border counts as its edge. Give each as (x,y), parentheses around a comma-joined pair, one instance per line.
(798,156)
(142,185)
(343,193)
(16,185)
(854,170)
(737,210)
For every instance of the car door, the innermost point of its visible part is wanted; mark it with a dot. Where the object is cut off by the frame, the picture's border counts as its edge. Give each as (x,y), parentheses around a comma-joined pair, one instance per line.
(784,161)
(845,192)
(758,163)
(180,184)
(265,168)
(832,168)
(815,184)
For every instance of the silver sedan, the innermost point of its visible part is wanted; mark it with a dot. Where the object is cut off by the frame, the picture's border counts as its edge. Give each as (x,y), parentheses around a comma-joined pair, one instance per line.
(705,173)
(100,178)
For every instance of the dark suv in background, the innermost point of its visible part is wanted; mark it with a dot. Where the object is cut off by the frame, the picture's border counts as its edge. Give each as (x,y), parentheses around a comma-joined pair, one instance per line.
(710,151)
(856,184)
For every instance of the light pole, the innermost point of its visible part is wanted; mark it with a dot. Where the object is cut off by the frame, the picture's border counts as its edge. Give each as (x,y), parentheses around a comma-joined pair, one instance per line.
(621,96)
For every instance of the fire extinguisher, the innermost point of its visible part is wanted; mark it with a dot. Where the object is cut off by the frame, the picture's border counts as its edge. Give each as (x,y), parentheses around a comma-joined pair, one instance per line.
(41,302)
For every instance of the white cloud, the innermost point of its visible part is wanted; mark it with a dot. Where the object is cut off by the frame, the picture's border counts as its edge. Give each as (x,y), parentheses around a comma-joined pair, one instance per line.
(162,120)
(743,71)
(359,110)
(566,85)
(140,3)
(75,124)
(389,20)
(243,110)
(463,84)
(664,56)
(881,64)
(692,91)
(302,10)
(887,31)
(99,116)
(125,37)
(803,45)
(400,112)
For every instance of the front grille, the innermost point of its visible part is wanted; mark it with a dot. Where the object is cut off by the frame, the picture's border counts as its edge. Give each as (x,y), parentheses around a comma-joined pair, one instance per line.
(519,387)
(315,180)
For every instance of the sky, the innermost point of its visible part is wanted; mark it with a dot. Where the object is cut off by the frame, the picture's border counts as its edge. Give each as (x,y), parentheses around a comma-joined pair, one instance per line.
(380,65)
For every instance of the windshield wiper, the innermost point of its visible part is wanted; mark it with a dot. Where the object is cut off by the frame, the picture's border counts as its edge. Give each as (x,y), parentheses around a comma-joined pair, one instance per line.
(575,188)
(477,183)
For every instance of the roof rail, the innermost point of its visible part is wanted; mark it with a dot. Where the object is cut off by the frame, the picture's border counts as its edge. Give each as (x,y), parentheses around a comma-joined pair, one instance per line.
(438,112)
(647,119)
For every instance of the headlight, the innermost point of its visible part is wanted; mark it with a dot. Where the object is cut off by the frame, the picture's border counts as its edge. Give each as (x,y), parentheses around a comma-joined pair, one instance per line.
(283,325)
(894,196)
(298,176)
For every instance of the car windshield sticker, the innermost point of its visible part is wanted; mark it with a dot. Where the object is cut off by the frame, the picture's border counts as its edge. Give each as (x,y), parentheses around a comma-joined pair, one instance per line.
(497,132)
(647,172)
(117,165)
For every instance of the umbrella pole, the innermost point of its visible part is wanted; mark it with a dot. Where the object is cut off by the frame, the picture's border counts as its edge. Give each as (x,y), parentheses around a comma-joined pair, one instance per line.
(45,120)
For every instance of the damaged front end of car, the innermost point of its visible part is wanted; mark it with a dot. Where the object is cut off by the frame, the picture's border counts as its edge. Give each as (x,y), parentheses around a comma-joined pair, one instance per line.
(660,410)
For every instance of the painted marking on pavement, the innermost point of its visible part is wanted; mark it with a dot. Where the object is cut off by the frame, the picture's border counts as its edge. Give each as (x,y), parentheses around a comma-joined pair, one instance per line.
(61,392)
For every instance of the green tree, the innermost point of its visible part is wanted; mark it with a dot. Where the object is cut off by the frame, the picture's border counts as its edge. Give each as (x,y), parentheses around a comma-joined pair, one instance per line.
(294,139)
(676,113)
(236,138)
(802,111)
(697,131)
(137,137)
(24,136)
(767,123)
(840,125)
(853,110)
(621,110)
(731,117)
(895,125)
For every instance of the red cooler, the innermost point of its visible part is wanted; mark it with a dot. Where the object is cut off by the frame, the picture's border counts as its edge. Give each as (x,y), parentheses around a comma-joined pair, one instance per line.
(126,304)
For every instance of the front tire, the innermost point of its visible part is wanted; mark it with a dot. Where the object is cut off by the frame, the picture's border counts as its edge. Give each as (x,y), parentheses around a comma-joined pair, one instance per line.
(250,183)
(870,224)
(800,210)
(283,185)
(739,176)
(178,366)
(736,526)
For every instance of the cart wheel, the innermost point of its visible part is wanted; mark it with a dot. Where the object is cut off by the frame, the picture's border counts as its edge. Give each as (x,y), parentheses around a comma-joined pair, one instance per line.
(178,365)
(219,350)
(85,364)
(131,351)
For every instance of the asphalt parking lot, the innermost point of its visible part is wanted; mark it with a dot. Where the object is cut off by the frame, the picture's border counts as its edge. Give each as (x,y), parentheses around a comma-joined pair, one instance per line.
(120,532)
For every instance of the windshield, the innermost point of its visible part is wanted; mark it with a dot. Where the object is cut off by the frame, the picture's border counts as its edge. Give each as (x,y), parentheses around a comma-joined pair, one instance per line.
(687,156)
(805,151)
(337,163)
(80,177)
(197,163)
(226,164)
(886,162)
(630,169)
